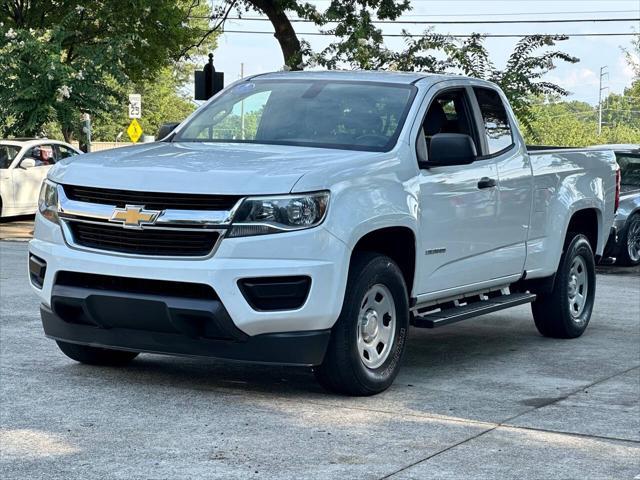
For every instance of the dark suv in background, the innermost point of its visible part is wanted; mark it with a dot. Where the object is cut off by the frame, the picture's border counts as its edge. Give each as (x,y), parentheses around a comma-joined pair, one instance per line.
(626,247)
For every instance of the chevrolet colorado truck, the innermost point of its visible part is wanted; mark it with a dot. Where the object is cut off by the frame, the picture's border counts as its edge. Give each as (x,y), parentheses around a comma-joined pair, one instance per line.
(309,218)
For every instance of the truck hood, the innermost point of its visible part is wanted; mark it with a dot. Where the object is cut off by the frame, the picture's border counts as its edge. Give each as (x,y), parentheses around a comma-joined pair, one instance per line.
(224,168)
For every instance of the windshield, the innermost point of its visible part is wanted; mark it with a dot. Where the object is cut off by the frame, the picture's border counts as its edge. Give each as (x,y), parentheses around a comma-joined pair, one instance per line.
(7,154)
(629,169)
(329,114)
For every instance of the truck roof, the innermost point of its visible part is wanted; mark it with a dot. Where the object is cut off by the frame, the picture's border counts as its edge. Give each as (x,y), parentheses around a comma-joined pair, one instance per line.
(406,78)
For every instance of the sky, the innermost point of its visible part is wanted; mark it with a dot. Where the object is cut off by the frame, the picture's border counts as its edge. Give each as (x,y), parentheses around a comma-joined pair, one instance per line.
(261,53)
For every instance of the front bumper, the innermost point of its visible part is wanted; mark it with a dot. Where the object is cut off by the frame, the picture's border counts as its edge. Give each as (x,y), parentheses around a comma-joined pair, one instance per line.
(293,348)
(315,253)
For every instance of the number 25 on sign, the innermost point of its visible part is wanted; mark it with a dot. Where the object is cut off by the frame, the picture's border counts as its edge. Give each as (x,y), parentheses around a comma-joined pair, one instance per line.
(134,131)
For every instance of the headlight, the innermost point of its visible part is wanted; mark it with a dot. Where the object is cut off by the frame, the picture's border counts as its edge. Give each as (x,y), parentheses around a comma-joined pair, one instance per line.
(48,201)
(262,215)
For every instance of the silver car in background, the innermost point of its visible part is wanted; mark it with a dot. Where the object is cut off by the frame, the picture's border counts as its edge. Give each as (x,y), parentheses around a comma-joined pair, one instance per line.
(626,247)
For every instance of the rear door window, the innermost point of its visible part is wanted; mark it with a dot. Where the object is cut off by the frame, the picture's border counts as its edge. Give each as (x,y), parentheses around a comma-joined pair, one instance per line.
(495,120)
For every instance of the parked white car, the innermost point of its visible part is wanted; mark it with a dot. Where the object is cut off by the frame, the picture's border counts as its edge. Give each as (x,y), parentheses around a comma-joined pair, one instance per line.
(24,164)
(309,218)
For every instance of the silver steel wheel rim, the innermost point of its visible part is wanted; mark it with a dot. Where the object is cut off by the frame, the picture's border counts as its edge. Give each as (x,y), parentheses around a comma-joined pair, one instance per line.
(376,326)
(578,287)
(633,240)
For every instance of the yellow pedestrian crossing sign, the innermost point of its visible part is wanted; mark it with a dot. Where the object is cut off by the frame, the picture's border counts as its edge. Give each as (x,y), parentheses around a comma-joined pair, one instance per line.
(134,130)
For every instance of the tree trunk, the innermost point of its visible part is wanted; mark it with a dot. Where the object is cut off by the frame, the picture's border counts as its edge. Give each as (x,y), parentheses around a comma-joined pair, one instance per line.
(67,133)
(284,32)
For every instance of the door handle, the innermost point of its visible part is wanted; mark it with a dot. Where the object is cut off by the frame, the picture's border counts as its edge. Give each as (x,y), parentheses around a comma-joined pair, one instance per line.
(486,182)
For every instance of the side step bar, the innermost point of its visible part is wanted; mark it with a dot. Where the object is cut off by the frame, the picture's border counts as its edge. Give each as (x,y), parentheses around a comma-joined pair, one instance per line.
(452,312)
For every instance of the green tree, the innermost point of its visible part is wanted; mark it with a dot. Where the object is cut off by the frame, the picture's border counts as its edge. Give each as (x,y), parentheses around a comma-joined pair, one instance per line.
(163,101)
(58,59)
(562,123)
(576,123)
(624,109)
(521,79)
(357,36)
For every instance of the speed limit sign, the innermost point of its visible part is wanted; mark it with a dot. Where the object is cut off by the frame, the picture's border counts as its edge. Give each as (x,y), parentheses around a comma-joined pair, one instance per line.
(135,105)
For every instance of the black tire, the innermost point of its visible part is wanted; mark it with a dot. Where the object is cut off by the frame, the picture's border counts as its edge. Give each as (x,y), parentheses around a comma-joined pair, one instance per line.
(95,355)
(343,370)
(624,258)
(552,311)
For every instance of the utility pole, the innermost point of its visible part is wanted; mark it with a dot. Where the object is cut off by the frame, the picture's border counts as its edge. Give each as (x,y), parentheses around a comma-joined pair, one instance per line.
(242,105)
(603,73)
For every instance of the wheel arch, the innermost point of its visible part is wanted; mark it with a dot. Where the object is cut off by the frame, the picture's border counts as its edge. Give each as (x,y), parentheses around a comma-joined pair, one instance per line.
(397,242)
(587,221)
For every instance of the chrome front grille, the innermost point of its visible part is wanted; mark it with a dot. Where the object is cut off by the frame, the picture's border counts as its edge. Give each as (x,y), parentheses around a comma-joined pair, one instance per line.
(194,230)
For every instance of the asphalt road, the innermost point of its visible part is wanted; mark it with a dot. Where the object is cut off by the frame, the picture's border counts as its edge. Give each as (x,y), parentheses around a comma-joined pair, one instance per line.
(487,398)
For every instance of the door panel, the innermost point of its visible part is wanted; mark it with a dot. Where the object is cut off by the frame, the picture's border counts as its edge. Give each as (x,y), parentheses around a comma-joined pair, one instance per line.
(27,182)
(458,239)
(515,181)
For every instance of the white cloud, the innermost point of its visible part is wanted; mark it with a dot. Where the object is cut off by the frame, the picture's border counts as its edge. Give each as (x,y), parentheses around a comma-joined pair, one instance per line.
(576,77)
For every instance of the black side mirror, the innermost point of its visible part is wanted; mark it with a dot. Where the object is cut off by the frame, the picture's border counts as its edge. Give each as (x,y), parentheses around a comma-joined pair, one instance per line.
(451,149)
(165,129)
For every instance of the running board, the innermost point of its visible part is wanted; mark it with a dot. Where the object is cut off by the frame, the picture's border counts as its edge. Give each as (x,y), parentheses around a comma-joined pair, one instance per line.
(453,312)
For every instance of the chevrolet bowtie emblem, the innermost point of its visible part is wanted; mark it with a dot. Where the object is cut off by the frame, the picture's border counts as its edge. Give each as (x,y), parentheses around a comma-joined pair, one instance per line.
(134,216)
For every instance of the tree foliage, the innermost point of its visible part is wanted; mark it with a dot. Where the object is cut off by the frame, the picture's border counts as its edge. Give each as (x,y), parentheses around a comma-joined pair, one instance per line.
(357,35)
(58,59)
(163,101)
(575,124)
(521,79)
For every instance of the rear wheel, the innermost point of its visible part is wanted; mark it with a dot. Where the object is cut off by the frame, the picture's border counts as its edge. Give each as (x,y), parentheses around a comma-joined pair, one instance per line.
(368,340)
(630,244)
(95,355)
(566,310)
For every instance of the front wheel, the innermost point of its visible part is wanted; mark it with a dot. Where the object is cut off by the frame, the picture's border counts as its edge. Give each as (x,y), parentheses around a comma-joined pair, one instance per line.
(368,340)
(96,355)
(630,244)
(565,311)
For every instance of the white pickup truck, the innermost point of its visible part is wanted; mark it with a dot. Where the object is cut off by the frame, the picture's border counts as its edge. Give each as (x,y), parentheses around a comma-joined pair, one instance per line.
(309,218)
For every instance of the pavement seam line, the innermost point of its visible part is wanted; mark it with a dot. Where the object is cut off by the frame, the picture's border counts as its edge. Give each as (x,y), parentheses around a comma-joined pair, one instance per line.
(438,453)
(505,423)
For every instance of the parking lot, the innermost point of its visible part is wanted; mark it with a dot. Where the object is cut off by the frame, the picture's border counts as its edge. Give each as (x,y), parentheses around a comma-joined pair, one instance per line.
(486,398)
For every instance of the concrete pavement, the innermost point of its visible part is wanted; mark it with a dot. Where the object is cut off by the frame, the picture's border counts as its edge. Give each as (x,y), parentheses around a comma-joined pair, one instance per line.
(486,398)
(17,228)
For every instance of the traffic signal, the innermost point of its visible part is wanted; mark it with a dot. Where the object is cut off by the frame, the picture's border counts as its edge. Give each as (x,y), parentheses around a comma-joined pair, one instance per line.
(208,82)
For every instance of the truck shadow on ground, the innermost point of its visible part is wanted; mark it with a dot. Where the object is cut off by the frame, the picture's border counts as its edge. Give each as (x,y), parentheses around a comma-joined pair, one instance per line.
(430,356)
